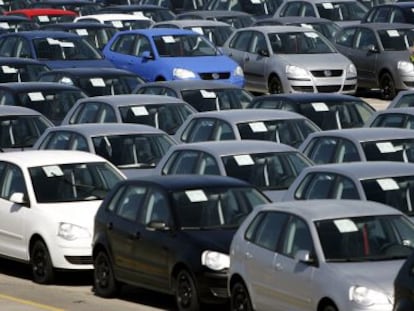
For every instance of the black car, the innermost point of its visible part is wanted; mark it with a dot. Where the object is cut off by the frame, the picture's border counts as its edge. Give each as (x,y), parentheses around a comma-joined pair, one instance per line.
(17,69)
(11,23)
(404,286)
(171,234)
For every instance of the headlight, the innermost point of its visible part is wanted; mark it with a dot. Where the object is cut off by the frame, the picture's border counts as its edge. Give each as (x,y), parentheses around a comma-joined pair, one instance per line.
(351,70)
(405,67)
(296,71)
(72,232)
(182,73)
(215,260)
(367,297)
(238,72)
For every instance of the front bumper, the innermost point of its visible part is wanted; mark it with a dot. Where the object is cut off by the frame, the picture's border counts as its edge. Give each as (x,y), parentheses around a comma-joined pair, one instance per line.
(213,286)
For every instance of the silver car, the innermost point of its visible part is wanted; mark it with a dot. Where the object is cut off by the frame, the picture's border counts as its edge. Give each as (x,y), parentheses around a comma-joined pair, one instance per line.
(393,117)
(324,255)
(286,59)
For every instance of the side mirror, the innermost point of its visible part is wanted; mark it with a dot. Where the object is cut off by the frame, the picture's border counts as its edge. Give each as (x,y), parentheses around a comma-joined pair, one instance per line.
(263,52)
(304,256)
(372,48)
(158,225)
(147,55)
(18,198)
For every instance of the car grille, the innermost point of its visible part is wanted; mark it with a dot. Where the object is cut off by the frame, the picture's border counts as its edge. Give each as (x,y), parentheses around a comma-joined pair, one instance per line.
(79,260)
(349,87)
(328,88)
(302,88)
(214,75)
(326,73)
(219,292)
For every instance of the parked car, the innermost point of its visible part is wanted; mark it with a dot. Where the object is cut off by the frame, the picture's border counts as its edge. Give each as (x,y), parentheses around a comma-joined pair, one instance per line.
(183,226)
(238,124)
(286,59)
(16,69)
(362,144)
(49,199)
(395,12)
(16,23)
(95,81)
(163,112)
(171,54)
(153,12)
(10,5)
(235,19)
(202,95)
(380,54)
(256,8)
(327,110)
(133,148)
(56,49)
(268,166)
(393,117)
(318,255)
(402,99)
(385,182)
(81,7)
(119,21)
(403,286)
(44,16)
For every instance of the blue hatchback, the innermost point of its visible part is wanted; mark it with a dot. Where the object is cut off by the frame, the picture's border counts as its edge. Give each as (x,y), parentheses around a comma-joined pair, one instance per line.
(171,54)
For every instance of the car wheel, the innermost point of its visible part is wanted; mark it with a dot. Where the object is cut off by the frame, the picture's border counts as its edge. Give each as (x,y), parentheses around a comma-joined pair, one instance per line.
(105,284)
(275,86)
(42,268)
(240,299)
(186,294)
(387,86)
(330,307)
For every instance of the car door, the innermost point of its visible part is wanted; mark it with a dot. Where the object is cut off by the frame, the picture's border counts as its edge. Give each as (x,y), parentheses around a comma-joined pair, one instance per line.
(256,61)
(121,52)
(238,47)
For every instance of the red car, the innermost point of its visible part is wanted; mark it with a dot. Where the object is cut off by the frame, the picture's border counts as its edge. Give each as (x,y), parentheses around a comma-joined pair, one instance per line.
(45,16)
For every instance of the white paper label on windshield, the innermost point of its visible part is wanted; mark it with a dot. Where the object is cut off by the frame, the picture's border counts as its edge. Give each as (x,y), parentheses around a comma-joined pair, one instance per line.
(66,44)
(208,94)
(52,170)
(138,13)
(393,33)
(255,1)
(327,5)
(66,80)
(139,111)
(1,2)
(258,127)
(196,195)
(320,107)
(306,26)
(5,25)
(97,82)
(52,41)
(198,30)
(388,184)
(117,24)
(36,96)
(8,69)
(243,159)
(311,34)
(385,147)
(82,32)
(345,225)
(43,18)
(168,39)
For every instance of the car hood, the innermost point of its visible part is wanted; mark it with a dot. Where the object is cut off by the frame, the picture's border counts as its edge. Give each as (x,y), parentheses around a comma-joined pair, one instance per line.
(317,61)
(219,63)
(55,64)
(212,239)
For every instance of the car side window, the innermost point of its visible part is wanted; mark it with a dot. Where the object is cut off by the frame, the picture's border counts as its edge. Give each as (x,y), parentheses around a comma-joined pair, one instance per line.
(364,39)
(397,16)
(241,41)
(380,15)
(12,181)
(223,131)
(22,48)
(185,163)
(156,208)
(124,44)
(389,120)
(291,9)
(207,165)
(347,152)
(7,46)
(345,189)
(346,37)
(199,129)
(322,150)
(296,237)
(130,203)
(58,140)
(141,45)
(307,10)
(106,114)
(315,186)
(258,44)
(79,143)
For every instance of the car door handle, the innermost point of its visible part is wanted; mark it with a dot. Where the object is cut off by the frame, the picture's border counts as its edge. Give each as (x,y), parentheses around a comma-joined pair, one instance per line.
(278,266)
(109,225)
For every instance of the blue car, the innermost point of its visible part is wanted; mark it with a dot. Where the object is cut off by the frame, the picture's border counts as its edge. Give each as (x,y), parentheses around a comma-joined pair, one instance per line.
(56,49)
(171,54)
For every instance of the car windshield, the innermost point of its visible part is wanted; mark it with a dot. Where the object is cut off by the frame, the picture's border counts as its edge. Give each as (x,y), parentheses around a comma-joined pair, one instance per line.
(21,72)
(122,25)
(254,7)
(51,19)
(184,46)
(342,11)
(217,99)
(329,30)
(396,39)
(290,131)
(96,37)
(401,150)
(308,42)
(16,26)
(218,34)
(73,182)
(132,151)
(65,49)
(397,192)
(236,21)
(267,171)
(99,86)
(212,208)
(167,117)
(367,238)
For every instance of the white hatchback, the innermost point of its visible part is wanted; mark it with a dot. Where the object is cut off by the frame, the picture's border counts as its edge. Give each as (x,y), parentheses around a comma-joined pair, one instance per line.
(48,201)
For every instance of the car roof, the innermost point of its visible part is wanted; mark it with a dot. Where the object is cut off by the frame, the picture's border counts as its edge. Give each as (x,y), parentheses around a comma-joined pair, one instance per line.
(112,16)
(310,97)
(19,60)
(297,19)
(7,18)
(403,110)
(42,34)
(215,13)
(246,115)
(42,11)
(314,210)
(277,29)
(382,26)
(132,99)
(137,7)
(36,86)
(180,85)
(193,23)
(91,71)
(17,110)
(77,25)
(158,32)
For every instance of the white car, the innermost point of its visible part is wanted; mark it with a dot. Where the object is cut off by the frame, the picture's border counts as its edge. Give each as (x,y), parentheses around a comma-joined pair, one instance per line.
(119,21)
(48,201)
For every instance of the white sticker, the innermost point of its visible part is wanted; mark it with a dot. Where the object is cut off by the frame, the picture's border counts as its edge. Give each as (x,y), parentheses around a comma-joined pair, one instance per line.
(385,147)
(243,159)
(5,25)
(311,35)
(8,69)
(258,127)
(43,18)
(393,33)
(196,195)
(97,82)
(36,96)
(117,24)
(327,5)
(168,39)
(208,94)
(67,44)
(139,111)
(52,170)
(307,26)
(52,41)
(1,2)
(82,32)
(198,30)
(255,1)
(66,80)
(387,184)
(412,10)
(320,107)
(345,225)
(138,13)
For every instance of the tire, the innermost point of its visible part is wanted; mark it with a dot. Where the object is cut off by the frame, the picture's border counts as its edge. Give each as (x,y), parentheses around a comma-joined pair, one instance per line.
(186,295)
(41,264)
(105,284)
(329,307)
(387,86)
(275,86)
(240,299)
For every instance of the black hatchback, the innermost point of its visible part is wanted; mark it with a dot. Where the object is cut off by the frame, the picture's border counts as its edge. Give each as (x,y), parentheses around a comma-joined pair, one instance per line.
(404,286)
(171,234)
